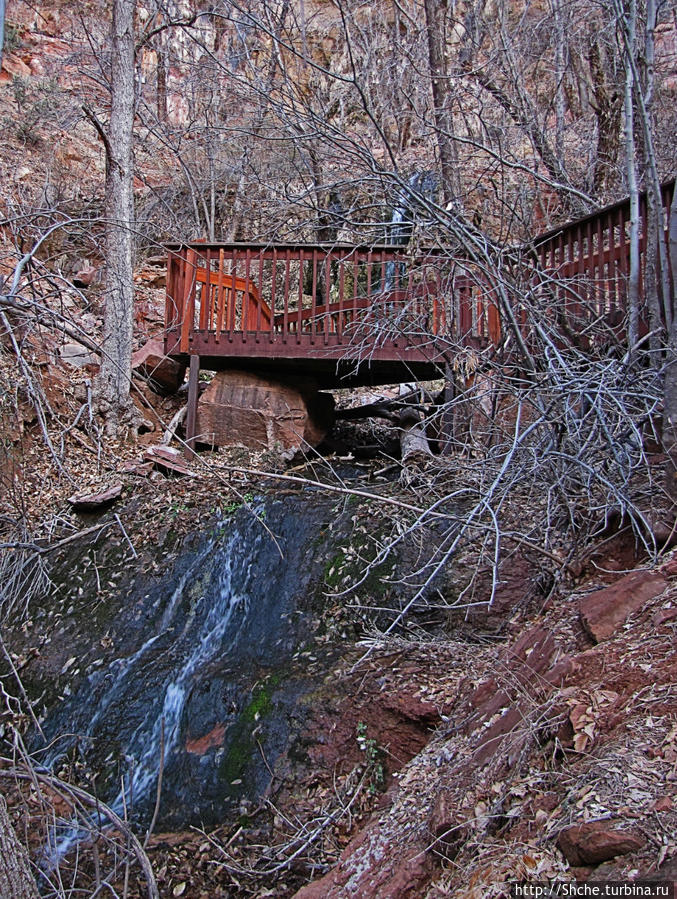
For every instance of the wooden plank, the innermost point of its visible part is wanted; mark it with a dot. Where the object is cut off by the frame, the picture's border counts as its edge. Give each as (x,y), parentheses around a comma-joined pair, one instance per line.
(220,296)
(191,412)
(188,302)
(424,348)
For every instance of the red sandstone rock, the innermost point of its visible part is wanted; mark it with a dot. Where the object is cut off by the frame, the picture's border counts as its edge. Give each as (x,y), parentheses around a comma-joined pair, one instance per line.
(90,502)
(167,459)
(605,610)
(200,745)
(85,276)
(244,408)
(532,654)
(492,737)
(153,277)
(449,824)
(372,868)
(15,66)
(669,567)
(164,374)
(664,616)
(597,842)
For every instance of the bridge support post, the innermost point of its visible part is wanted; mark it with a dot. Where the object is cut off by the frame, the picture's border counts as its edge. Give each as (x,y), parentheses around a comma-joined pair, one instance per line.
(191,412)
(447,435)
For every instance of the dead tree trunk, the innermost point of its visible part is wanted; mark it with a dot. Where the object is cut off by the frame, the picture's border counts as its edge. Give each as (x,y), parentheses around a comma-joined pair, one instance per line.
(670,383)
(413,439)
(444,123)
(114,379)
(16,877)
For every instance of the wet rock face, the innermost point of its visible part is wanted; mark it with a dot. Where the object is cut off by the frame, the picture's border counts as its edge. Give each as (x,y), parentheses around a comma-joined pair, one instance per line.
(203,668)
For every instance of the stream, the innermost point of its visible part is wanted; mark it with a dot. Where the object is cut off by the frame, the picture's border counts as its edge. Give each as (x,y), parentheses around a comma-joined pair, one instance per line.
(215,665)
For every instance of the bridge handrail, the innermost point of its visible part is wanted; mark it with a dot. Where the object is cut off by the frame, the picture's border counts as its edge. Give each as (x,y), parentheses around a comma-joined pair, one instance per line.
(332,292)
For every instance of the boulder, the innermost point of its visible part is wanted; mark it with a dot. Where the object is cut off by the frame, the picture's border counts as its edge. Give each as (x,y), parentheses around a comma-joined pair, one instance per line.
(168,460)
(86,274)
(91,502)
(164,374)
(261,413)
(605,610)
(76,355)
(596,842)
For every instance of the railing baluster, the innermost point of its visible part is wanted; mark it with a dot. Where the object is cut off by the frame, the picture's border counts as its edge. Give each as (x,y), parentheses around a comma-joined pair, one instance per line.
(285,326)
(232,298)
(611,263)
(342,292)
(600,289)
(313,298)
(206,296)
(329,319)
(171,291)
(259,305)
(246,297)
(188,305)
(273,294)
(356,276)
(299,310)
(623,258)
(372,307)
(220,298)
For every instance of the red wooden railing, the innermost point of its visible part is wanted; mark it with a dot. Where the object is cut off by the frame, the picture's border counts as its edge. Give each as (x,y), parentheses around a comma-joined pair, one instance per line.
(582,267)
(300,300)
(332,296)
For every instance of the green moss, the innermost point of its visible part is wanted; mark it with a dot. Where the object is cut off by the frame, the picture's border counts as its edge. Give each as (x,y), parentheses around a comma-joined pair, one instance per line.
(333,570)
(236,760)
(238,757)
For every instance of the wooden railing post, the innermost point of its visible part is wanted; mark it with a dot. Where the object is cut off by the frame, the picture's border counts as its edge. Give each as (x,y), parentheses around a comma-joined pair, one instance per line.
(191,412)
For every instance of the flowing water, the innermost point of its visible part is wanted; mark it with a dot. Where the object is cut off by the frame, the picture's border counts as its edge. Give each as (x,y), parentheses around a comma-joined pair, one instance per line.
(210,681)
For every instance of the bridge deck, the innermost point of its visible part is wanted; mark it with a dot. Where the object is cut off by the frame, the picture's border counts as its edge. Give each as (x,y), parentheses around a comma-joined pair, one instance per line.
(349,315)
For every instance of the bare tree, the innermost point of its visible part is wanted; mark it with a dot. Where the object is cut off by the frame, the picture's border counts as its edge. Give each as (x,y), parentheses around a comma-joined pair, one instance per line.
(16,877)
(435,17)
(113,381)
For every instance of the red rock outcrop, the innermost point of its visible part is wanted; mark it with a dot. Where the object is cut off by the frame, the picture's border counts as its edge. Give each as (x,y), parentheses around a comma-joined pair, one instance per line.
(605,610)
(164,375)
(263,414)
(596,842)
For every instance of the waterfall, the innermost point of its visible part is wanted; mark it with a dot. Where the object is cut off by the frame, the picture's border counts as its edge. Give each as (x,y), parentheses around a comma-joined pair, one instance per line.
(410,204)
(162,722)
(196,644)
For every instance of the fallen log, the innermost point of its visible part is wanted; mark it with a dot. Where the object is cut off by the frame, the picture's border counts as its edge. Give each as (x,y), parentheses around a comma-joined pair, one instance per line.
(388,408)
(415,449)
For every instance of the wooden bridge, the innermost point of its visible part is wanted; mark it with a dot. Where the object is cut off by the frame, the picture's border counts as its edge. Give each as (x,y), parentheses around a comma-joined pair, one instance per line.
(354,315)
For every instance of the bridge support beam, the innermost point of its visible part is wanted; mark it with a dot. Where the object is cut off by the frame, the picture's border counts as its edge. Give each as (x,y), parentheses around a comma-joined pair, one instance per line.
(191,412)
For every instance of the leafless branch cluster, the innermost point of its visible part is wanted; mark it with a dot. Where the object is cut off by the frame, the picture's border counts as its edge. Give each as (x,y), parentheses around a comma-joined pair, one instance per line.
(79,843)
(551,454)
(302,844)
